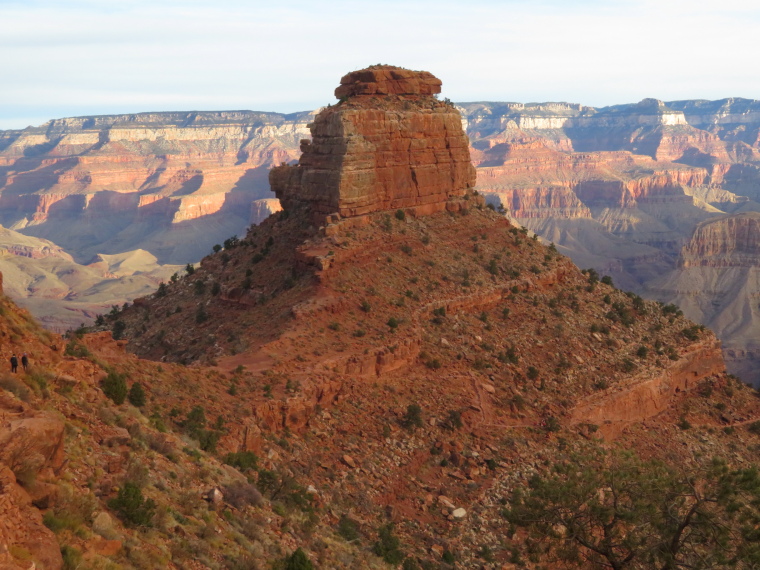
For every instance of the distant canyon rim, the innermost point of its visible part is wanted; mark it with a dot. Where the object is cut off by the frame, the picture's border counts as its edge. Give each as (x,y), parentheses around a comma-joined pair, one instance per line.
(664,197)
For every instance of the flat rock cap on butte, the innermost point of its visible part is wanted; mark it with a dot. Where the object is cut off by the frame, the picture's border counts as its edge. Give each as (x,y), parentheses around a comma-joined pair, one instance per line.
(388,80)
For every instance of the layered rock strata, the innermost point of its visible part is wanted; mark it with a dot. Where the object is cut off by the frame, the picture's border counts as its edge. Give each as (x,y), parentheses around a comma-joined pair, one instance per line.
(388,144)
(138,181)
(726,241)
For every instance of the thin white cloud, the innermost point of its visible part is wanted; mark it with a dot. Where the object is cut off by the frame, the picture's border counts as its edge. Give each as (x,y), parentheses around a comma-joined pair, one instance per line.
(287,56)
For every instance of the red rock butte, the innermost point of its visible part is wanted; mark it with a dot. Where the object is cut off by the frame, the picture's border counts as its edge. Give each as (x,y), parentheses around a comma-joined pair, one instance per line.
(388,144)
(387,80)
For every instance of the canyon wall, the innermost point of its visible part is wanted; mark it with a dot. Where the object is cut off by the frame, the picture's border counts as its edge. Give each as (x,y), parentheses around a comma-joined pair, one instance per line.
(660,196)
(716,281)
(179,176)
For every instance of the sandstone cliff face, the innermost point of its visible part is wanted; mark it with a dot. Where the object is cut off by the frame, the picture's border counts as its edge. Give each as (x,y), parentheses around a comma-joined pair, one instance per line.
(690,131)
(732,119)
(389,144)
(725,241)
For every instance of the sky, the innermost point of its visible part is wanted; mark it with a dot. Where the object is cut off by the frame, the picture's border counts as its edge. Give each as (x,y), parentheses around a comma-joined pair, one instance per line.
(63,58)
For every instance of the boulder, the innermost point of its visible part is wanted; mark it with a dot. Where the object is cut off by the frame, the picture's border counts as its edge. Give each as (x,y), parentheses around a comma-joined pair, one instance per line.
(21,527)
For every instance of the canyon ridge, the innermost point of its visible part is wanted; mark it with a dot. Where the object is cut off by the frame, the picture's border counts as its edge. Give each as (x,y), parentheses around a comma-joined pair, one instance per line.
(634,191)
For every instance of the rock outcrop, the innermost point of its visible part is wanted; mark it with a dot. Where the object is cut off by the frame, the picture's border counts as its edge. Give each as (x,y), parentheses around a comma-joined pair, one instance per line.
(21,530)
(725,241)
(388,144)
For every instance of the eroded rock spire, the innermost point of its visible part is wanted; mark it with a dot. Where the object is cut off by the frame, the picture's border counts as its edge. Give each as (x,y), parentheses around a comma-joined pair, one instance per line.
(388,144)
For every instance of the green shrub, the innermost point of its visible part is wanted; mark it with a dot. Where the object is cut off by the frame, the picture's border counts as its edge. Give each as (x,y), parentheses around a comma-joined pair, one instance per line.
(131,507)
(118,329)
(298,561)
(72,557)
(552,424)
(241,494)
(400,215)
(114,386)
(388,546)
(136,395)
(348,528)
(453,420)
(601,384)
(195,421)
(242,460)
(57,523)
(509,356)
(15,386)
(413,416)
(671,309)
(692,332)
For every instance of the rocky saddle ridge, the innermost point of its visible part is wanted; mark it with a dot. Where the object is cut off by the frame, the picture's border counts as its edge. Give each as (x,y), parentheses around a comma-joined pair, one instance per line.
(388,144)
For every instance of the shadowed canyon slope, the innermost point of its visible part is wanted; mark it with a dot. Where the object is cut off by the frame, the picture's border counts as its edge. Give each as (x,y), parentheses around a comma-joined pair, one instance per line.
(371,384)
(64,294)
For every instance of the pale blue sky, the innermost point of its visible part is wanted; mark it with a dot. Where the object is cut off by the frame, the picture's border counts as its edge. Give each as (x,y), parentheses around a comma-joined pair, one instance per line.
(81,57)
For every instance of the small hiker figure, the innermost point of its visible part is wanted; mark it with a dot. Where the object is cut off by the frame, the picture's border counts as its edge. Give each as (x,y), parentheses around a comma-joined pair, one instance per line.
(14,363)
(24,361)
